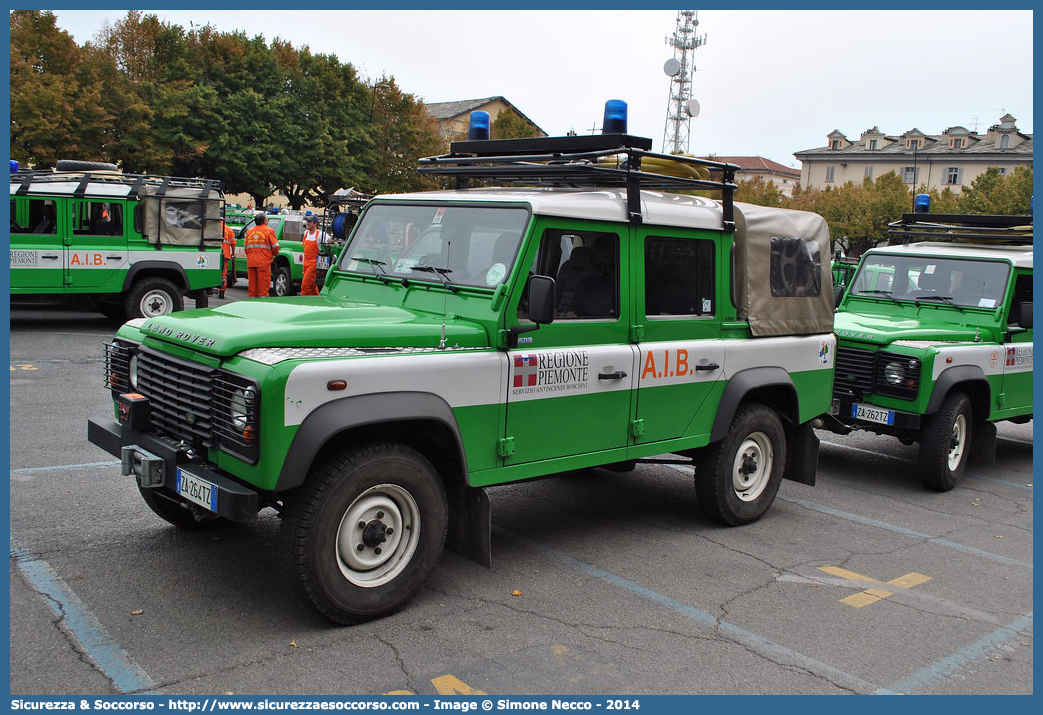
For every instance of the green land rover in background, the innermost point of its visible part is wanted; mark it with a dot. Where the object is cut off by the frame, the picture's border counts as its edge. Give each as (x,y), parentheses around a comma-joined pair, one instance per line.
(935,339)
(127,245)
(479,336)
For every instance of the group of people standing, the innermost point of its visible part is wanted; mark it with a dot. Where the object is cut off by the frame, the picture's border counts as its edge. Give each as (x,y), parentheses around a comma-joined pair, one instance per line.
(261,246)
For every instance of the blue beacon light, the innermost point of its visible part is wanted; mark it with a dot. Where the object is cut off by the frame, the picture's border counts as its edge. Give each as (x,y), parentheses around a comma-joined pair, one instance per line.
(922,204)
(478,127)
(615,121)
(14,166)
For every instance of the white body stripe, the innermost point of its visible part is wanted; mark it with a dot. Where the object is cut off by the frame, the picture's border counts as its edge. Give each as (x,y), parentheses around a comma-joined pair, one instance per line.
(992,359)
(470,378)
(109,259)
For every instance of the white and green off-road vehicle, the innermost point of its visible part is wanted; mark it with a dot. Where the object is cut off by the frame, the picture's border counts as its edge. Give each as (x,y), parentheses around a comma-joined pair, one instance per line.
(479,336)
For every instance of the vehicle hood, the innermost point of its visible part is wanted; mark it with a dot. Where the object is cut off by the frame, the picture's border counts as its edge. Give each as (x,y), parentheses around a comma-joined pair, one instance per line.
(315,321)
(884,330)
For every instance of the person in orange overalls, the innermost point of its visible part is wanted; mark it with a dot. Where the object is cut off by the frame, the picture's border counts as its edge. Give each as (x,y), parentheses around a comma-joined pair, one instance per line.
(261,247)
(313,237)
(228,252)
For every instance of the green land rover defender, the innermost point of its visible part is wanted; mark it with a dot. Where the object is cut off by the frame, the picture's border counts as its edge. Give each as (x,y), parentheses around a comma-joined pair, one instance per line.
(935,339)
(478,336)
(127,245)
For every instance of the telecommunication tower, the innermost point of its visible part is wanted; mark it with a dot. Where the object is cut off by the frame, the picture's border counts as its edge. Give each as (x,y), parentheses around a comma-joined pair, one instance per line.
(681,107)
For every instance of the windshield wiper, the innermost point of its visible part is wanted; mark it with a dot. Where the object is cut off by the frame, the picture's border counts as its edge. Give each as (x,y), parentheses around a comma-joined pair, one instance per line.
(886,293)
(947,298)
(441,273)
(382,276)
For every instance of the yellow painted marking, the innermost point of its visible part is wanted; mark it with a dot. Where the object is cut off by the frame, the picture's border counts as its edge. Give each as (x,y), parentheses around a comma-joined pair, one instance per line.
(874,594)
(450,685)
(28,366)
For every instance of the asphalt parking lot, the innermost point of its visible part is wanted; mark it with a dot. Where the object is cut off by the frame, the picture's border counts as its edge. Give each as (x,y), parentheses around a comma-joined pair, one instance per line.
(602,583)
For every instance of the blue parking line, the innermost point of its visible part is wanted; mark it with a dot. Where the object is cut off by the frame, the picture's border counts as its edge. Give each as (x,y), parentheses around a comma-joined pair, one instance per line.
(906,532)
(767,648)
(946,666)
(126,675)
(64,467)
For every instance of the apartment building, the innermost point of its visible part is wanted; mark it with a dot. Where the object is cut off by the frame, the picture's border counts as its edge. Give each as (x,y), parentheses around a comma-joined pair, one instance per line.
(952,159)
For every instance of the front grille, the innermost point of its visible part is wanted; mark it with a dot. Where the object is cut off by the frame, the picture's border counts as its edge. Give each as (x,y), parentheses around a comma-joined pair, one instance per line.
(181,396)
(856,369)
(860,372)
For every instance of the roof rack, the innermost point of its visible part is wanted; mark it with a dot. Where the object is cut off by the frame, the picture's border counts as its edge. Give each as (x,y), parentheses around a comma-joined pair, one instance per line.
(573,161)
(961,227)
(28,177)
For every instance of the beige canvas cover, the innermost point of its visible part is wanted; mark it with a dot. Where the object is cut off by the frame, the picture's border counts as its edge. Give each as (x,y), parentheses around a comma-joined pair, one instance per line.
(784,283)
(181,216)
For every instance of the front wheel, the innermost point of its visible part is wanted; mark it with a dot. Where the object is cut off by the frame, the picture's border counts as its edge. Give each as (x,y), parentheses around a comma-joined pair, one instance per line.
(365,531)
(945,441)
(151,297)
(737,478)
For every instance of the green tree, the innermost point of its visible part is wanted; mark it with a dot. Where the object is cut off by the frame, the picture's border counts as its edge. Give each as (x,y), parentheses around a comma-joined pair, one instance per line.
(759,191)
(402,131)
(55,94)
(511,125)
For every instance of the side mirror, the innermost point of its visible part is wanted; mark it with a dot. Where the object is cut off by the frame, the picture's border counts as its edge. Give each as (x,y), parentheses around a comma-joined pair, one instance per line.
(838,295)
(541,299)
(541,291)
(1025,315)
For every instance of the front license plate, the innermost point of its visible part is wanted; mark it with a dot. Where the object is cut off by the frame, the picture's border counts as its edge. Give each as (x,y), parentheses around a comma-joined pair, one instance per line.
(322,262)
(196,490)
(873,414)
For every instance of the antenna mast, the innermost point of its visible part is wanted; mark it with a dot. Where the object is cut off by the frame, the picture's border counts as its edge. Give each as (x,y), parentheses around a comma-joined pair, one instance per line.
(681,107)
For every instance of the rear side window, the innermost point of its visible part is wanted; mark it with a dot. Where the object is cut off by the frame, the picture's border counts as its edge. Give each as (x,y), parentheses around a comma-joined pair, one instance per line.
(679,276)
(796,268)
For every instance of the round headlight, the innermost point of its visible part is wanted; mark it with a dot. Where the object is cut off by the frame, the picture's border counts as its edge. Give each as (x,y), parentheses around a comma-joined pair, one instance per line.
(241,407)
(132,371)
(894,373)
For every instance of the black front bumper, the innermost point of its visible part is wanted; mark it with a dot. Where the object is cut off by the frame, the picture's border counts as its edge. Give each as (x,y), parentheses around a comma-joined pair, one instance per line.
(903,422)
(154,462)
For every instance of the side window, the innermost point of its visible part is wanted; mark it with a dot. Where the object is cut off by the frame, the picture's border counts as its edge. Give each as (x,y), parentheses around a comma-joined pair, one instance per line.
(585,267)
(40,216)
(796,268)
(96,218)
(1022,293)
(679,276)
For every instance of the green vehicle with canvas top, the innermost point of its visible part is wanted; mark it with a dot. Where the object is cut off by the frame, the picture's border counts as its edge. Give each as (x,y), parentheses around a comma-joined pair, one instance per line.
(935,339)
(128,245)
(480,336)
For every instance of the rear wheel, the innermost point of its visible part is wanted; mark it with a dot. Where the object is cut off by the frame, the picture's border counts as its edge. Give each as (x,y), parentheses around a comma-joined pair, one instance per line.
(737,478)
(365,531)
(282,282)
(151,297)
(945,441)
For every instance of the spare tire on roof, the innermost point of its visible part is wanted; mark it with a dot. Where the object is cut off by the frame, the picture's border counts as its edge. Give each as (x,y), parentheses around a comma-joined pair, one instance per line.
(74,165)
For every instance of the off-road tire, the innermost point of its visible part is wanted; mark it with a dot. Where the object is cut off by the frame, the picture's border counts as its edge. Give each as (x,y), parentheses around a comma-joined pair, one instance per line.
(737,478)
(945,441)
(179,514)
(332,526)
(282,282)
(150,297)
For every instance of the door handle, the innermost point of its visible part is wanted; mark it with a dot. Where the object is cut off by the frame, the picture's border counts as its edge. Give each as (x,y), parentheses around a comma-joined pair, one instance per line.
(49,256)
(708,366)
(617,375)
(113,258)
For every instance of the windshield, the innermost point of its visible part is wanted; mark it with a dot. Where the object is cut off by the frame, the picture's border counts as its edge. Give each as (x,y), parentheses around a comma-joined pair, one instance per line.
(468,245)
(963,282)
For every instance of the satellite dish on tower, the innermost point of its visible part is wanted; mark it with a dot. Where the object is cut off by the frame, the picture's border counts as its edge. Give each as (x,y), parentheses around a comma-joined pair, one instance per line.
(672,68)
(692,108)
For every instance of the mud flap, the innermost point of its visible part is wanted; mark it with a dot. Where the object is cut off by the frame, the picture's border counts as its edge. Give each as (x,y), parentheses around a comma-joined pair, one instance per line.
(983,444)
(801,454)
(470,525)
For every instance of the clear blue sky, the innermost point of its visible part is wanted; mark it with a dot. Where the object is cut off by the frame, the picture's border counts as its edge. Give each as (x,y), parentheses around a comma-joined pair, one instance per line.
(769,82)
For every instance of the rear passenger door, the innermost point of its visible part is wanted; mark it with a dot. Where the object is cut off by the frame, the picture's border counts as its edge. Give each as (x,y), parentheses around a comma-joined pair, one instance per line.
(569,384)
(96,247)
(680,354)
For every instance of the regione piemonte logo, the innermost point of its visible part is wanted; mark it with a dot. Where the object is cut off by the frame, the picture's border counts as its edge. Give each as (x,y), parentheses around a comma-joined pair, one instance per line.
(525,370)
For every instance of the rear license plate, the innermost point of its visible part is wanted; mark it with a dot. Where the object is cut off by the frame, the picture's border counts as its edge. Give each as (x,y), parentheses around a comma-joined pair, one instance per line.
(322,262)
(872,414)
(196,490)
